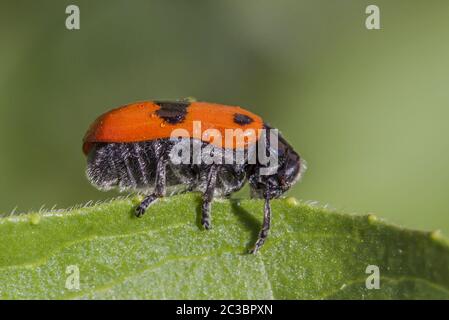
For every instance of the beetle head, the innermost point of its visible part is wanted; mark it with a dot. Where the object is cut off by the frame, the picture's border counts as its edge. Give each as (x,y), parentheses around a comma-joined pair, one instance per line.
(287,173)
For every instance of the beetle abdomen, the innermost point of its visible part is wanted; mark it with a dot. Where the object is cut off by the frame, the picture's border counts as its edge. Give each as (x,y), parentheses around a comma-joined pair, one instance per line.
(133,166)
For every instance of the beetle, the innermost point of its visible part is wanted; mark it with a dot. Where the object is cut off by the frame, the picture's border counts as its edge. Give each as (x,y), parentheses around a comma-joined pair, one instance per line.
(132,148)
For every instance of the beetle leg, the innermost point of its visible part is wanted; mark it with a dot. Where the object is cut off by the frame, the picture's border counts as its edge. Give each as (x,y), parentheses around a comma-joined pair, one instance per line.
(208,196)
(265,227)
(159,189)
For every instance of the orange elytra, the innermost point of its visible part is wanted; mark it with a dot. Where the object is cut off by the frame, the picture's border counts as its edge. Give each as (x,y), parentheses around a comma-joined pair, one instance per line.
(150,120)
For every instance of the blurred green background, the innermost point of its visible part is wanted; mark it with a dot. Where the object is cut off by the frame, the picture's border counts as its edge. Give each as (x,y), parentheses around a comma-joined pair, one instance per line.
(368,109)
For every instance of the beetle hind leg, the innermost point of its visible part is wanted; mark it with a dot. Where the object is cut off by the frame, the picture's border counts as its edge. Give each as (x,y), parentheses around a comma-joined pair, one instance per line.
(159,190)
(146,202)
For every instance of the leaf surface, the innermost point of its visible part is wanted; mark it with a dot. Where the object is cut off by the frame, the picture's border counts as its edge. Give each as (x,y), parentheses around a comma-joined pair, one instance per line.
(311,253)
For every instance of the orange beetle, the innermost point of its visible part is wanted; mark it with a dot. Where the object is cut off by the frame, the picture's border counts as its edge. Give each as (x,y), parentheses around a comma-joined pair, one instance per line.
(183,145)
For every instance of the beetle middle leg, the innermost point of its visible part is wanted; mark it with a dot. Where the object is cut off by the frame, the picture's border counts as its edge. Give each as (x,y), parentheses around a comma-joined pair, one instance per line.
(208,196)
(159,189)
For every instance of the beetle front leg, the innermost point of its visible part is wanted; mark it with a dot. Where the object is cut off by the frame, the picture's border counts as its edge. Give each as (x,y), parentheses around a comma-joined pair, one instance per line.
(263,234)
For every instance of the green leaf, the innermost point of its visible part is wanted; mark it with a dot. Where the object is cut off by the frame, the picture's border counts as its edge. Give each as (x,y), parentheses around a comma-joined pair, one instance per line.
(311,253)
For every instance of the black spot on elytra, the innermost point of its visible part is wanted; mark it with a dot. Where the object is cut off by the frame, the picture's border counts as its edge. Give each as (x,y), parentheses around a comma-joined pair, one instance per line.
(172,112)
(242,119)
